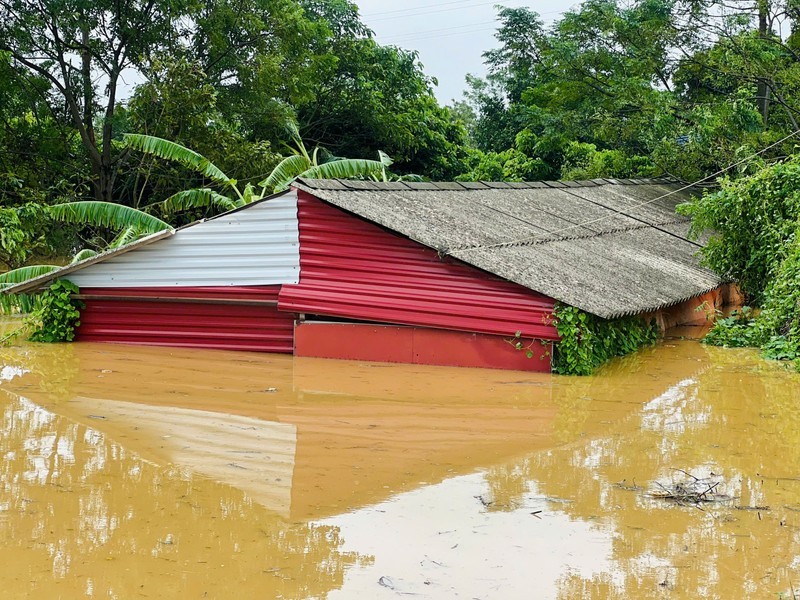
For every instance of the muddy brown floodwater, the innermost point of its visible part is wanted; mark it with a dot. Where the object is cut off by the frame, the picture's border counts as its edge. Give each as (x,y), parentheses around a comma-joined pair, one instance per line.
(162,473)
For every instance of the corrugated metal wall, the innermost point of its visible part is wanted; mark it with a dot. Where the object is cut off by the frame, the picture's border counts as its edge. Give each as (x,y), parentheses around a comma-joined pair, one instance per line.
(354,269)
(229,318)
(257,246)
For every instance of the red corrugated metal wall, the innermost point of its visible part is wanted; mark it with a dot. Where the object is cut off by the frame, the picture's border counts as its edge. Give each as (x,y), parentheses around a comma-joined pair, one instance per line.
(354,269)
(207,318)
(417,345)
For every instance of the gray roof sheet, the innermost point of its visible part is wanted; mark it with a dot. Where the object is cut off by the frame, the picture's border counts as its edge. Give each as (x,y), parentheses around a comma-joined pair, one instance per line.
(609,247)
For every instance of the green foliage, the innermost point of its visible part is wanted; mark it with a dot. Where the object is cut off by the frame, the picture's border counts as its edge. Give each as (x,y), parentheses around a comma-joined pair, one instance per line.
(48,38)
(775,328)
(588,341)
(617,89)
(57,314)
(585,161)
(286,171)
(191,198)
(197,198)
(509,165)
(84,254)
(757,244)
(754,220)
(320,164)
(167,150)
(695,141)
(734,331)
(23,274)
(345,169)
(107,214)
(22,303)
(374,98)
(593,78)
(180,103)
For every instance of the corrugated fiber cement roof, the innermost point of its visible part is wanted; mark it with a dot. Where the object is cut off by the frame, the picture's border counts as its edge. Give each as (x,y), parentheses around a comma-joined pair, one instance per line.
(609,247)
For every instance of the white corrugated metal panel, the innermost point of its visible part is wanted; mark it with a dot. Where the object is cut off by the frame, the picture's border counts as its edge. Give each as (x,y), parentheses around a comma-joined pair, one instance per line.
(255,246)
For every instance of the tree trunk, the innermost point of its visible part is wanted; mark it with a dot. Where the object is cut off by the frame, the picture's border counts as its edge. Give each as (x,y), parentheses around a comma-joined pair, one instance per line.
(103,181)
(763,90)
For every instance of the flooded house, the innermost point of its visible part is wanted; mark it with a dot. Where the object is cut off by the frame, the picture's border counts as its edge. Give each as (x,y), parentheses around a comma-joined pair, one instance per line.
(425,273)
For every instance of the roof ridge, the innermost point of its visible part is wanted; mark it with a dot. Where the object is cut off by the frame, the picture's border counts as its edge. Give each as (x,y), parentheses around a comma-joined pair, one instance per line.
(353,185)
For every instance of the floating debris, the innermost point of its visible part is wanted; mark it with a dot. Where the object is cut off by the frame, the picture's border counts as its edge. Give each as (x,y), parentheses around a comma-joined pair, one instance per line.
(691,492)
(628,487)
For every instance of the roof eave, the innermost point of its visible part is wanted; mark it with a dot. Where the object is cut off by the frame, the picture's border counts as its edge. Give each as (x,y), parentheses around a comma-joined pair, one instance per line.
(652,309)
(37,283)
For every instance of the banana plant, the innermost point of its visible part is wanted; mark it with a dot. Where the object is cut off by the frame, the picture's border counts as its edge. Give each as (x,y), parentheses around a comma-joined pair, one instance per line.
(23,303)
(131,224)
(112,216)
(229,196)
(320,164)
(317,164)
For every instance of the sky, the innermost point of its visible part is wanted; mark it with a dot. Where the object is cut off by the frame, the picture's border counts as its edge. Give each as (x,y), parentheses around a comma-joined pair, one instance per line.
(449,35)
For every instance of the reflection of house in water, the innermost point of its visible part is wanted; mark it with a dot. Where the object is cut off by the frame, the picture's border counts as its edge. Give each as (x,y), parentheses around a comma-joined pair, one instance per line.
(253,455)
(309,438)
(341,434)
(83,514)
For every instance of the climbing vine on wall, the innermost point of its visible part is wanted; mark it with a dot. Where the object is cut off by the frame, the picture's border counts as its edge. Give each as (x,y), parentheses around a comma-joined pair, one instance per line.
(57,314)
(588,341)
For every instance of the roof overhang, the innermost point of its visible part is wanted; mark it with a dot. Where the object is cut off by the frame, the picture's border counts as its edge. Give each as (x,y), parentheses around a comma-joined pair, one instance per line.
(32,285)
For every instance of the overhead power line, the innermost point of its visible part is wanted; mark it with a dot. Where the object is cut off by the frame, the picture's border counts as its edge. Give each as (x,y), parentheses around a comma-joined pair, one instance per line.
(449,31)
(549,235)
(403,13)
(436,33)
(399,12)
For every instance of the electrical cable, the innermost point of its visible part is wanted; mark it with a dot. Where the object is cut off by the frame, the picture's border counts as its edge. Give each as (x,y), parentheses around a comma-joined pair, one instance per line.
(422,11)
(399,13)
(549,238)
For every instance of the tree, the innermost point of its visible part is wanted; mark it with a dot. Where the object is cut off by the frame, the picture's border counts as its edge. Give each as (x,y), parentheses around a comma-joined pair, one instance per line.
(654,86)
(254,55)
(179,103)
(73,45)
(263,59)
(23,233)
(370,98)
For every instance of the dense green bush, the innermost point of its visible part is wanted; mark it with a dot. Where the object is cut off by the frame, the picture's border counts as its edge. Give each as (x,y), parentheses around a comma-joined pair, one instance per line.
(57,314)
(758,245)
(588,341)
(755,219)
(775,328)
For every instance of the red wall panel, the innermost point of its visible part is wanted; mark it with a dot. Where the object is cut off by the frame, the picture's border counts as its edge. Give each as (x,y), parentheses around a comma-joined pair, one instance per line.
(203,322)
(354,269)
(417,345)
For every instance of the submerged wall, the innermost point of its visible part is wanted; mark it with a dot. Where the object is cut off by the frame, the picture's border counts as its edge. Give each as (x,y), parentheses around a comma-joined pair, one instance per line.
(230,318)
(419,345)
(699,310)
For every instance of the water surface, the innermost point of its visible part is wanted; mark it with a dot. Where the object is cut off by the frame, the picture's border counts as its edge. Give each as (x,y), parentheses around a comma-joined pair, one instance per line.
(164,473)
